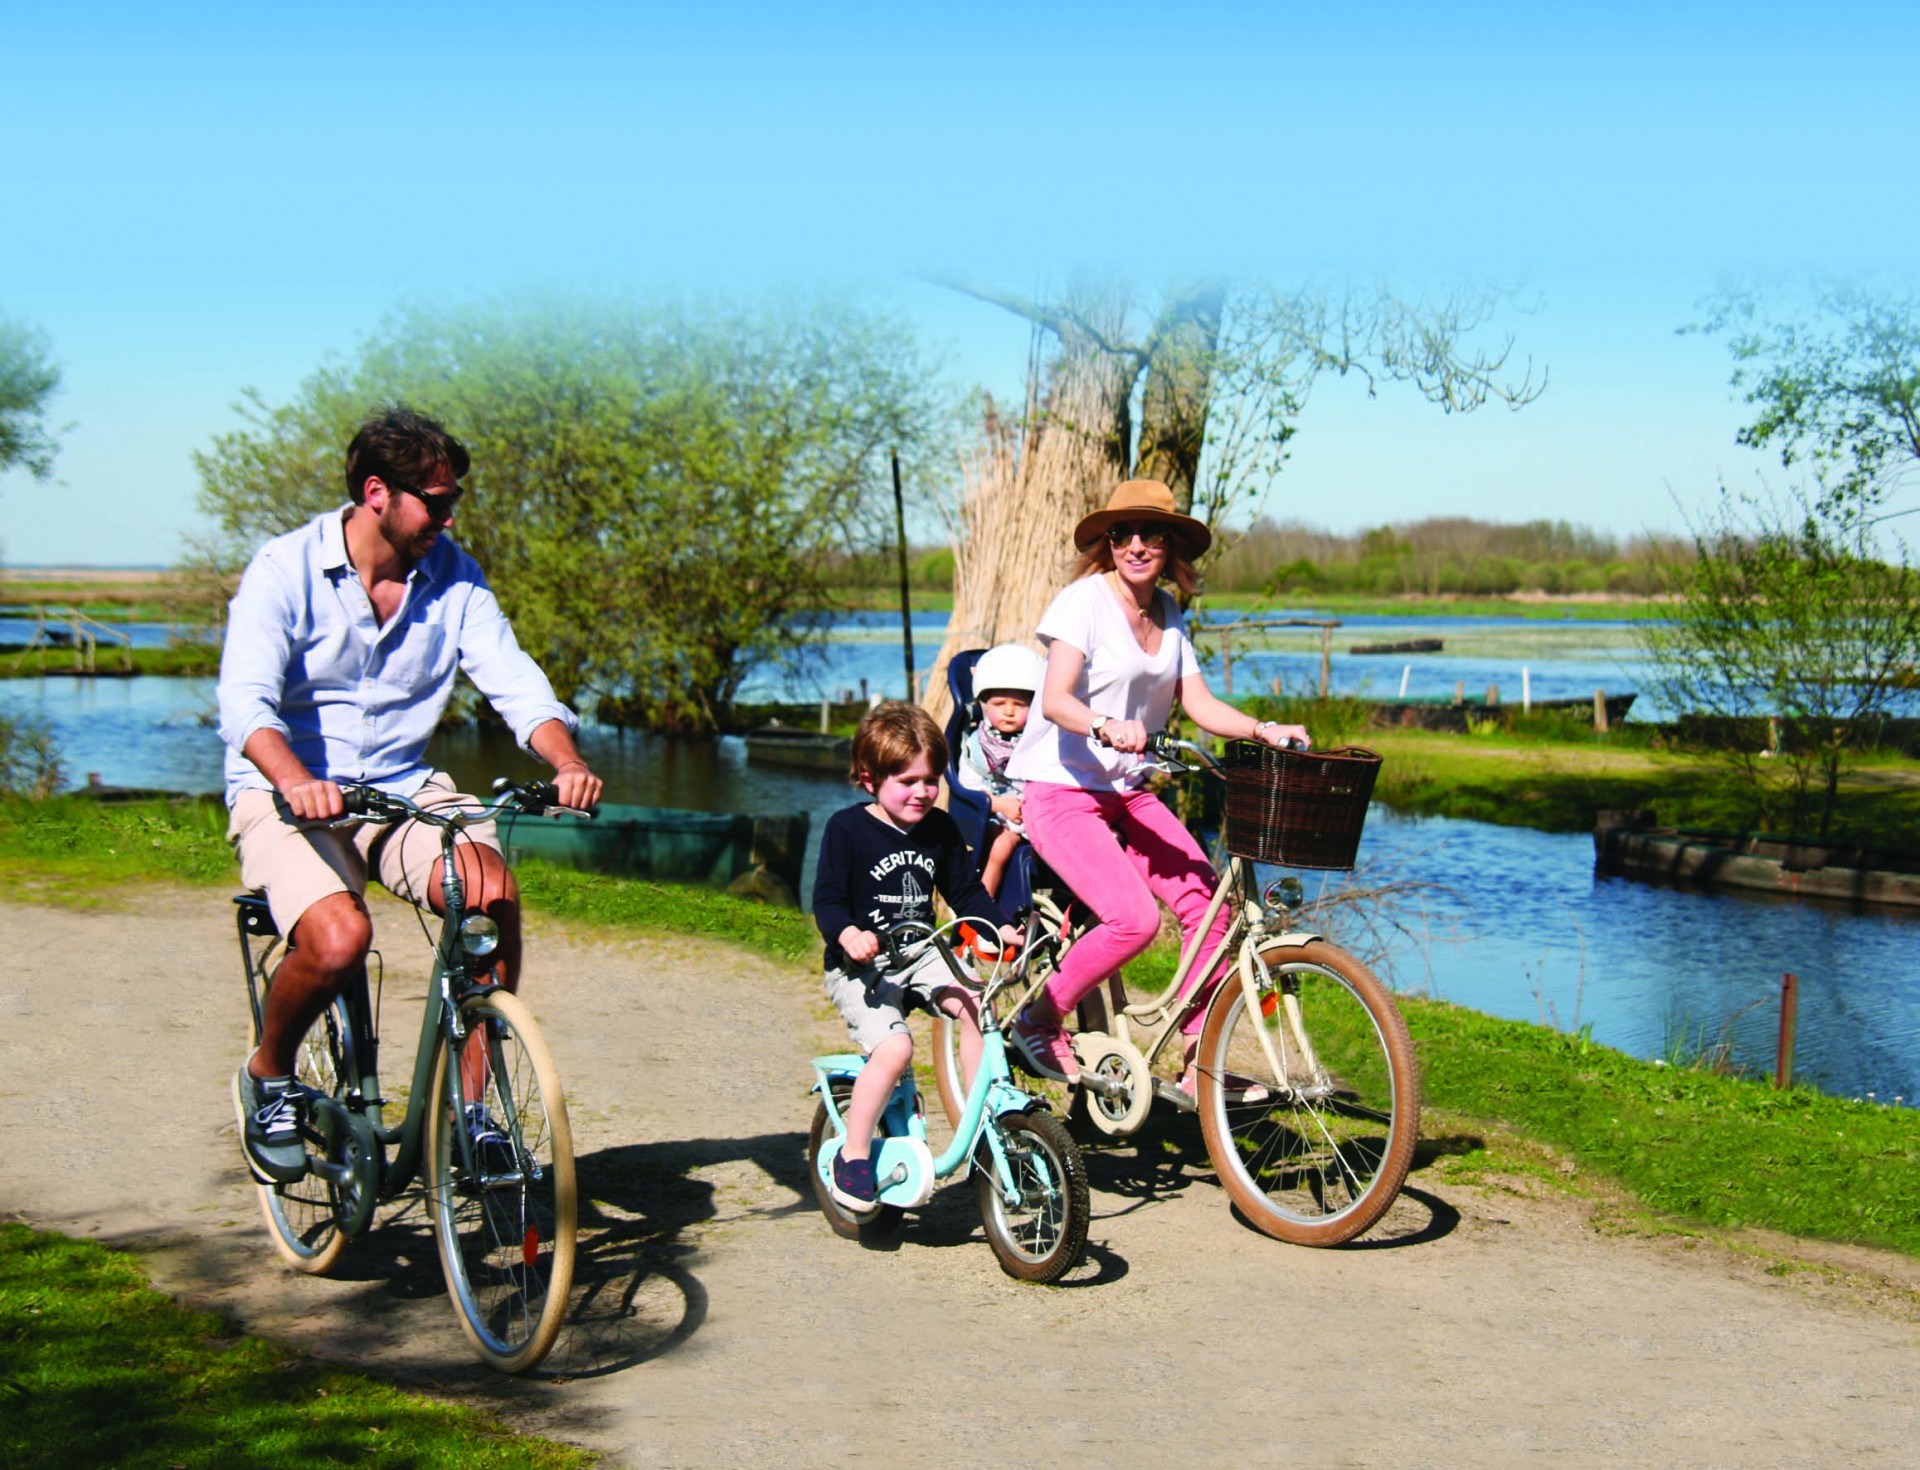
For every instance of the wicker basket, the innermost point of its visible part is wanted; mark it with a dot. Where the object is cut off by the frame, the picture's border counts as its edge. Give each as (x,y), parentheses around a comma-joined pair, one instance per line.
(1297,808)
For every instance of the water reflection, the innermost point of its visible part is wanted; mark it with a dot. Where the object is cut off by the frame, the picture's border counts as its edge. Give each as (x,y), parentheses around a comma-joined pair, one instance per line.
(1656,971)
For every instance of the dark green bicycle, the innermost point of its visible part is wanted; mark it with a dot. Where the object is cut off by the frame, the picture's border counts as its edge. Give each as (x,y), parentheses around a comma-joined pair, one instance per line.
(503,1214)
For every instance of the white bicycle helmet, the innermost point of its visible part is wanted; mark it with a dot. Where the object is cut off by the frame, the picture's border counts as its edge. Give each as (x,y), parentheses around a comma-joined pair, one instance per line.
(1008,666)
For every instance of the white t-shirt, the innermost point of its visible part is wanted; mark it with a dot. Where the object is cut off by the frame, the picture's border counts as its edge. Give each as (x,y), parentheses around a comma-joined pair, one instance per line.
(1119,680)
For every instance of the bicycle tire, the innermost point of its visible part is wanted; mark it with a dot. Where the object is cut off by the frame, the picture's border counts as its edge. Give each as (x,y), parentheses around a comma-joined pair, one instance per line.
(1323,1158)
(1044,1236)
(303,1218)
(885,1220)
(506,1242)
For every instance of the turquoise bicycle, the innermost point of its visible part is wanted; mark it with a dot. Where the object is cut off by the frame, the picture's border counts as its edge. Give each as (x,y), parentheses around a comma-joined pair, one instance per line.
(1027,1170)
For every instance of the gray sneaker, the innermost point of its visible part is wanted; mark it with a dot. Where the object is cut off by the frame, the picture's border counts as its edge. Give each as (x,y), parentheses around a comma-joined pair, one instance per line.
(269,1117)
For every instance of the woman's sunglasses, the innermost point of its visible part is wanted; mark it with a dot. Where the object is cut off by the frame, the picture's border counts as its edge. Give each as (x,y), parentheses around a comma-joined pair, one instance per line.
(1152,537)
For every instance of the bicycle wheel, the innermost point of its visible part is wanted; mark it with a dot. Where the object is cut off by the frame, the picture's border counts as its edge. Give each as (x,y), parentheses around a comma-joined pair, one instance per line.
(506,1240)
(304,1217)
(885,1219)
(1321,1157)
(1043,1234)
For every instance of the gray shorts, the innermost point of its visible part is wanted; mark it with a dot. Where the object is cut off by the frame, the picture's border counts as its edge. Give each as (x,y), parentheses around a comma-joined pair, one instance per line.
(874,1004)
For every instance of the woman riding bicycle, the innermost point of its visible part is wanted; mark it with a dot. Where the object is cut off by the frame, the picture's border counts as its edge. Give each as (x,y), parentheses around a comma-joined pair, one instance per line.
(1117,654)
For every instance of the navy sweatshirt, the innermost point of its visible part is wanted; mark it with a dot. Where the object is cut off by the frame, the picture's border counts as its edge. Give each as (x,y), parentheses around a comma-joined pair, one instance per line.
(872,875)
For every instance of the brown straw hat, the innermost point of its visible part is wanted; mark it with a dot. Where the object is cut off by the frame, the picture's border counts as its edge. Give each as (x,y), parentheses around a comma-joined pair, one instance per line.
(1144,500)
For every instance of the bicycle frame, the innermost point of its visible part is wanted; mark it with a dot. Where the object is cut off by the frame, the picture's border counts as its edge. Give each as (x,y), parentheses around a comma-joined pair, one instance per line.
(451,983)
(993,1091)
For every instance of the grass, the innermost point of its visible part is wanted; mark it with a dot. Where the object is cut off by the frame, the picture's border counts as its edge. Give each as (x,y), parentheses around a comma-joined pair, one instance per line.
(1689,1142)
(96,1368)
(180,660)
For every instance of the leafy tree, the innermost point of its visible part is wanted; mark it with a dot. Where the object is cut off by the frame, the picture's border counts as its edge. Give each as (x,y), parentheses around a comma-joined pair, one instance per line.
(30,762)
(1835,384)
(1794,610)
(28,380)
(658,492)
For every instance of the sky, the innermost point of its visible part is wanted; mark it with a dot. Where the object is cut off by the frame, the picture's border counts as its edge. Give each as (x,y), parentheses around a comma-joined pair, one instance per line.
(206,198)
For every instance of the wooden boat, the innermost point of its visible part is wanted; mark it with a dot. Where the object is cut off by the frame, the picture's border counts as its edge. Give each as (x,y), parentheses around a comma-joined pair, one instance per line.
(781,745)
(1405,645)
(756,856)
(1440,712)
(1627,843)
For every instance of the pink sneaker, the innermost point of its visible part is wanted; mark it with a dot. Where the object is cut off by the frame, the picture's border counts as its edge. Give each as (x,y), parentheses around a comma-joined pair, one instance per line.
(1045,1049)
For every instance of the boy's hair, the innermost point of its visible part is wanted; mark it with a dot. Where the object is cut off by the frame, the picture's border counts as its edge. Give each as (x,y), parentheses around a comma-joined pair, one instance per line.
(891,734)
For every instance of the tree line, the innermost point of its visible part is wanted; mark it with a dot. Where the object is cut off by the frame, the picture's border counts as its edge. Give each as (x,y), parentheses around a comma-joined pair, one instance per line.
(1442,556)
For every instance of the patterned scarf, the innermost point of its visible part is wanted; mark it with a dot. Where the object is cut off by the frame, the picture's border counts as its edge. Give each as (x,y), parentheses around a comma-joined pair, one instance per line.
(995,748)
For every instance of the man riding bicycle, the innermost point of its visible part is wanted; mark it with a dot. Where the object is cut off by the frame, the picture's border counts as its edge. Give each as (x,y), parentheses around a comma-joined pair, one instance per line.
(341,648)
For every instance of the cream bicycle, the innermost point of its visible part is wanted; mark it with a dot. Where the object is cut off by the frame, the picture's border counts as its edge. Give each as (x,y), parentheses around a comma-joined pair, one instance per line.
(1306,1083)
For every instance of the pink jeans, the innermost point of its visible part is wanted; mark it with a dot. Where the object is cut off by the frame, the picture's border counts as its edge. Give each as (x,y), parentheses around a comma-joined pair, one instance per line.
(1074,830)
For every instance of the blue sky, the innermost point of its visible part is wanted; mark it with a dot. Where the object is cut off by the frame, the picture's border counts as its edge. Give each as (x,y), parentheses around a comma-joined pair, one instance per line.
(210,197)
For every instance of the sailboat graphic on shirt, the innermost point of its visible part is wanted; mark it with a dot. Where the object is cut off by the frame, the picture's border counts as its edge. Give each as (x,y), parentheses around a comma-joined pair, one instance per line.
(915,902)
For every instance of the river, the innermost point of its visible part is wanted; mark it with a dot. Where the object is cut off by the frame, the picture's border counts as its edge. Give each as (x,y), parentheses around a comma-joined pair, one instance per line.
(1522,926)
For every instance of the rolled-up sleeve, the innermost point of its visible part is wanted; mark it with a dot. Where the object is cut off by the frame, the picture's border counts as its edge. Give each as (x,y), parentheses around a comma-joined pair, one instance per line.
(253,660)
(501,670)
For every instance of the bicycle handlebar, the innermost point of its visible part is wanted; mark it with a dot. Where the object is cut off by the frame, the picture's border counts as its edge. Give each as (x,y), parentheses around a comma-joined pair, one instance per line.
(532,798)
(1170,750)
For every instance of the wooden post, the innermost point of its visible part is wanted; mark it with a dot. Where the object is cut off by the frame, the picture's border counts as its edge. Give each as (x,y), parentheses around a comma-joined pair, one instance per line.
(900,535)
(1459,691)
(1493,694)
(823,717)
(1526,691)
(1326,659)
(1226,660)
(1600,710)
(1789,1013)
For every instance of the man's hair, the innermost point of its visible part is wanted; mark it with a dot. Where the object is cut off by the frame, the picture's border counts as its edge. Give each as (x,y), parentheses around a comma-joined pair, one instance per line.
(890,736)
(395,443)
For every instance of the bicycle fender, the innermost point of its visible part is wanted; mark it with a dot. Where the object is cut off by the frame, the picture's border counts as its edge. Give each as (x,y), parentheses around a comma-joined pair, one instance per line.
(1292,939)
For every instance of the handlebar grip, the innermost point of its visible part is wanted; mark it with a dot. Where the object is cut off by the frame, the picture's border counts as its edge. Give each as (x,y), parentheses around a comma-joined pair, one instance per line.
(357,801)
(1161,745)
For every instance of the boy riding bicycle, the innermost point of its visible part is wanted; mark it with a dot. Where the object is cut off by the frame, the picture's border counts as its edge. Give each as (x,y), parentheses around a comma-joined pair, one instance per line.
(881,862)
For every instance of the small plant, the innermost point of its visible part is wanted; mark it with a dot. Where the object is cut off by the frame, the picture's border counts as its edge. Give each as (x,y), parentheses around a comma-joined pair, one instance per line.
(29,759)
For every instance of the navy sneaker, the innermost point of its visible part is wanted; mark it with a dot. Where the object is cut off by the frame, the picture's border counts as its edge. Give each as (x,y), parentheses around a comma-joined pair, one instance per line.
(269,1114)
(492,1150)
(854,1187)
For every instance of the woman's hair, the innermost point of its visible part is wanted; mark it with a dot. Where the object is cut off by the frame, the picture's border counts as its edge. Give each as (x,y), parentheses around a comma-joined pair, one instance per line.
(1179,568)
(891,734)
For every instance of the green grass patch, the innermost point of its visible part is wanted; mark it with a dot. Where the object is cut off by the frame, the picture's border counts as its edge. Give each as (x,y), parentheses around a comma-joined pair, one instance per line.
(1687,1141)
(178,660)
(785,935)
(93,845)
(96,1368)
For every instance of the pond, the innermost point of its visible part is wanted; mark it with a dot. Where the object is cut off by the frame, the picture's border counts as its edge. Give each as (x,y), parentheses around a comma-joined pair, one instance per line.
(1525,928)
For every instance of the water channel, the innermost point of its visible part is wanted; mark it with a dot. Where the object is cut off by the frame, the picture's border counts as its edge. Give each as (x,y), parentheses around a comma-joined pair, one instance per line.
(1521,927)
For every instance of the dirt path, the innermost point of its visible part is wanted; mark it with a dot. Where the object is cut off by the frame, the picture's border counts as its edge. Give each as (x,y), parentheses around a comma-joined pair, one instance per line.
(720,1322)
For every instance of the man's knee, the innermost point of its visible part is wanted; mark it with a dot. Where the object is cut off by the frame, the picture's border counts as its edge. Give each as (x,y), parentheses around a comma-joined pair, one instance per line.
(334,934)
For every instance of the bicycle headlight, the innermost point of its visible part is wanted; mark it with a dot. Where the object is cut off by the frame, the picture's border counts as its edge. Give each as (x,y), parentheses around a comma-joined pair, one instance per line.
(1285,893)
(479,936)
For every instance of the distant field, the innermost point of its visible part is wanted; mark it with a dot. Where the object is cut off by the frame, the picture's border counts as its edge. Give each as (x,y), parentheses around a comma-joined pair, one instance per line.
(128,594)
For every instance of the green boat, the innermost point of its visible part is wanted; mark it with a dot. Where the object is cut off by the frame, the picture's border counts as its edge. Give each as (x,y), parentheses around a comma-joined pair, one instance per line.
(780,745)
(754,856)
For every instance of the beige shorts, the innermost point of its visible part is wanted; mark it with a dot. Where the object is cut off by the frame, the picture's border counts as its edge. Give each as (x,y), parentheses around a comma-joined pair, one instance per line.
(874,1004)
(299,865)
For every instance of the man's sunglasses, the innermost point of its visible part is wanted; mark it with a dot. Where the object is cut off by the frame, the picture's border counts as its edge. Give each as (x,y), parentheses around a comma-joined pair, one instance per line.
(1152,537)
(439,506)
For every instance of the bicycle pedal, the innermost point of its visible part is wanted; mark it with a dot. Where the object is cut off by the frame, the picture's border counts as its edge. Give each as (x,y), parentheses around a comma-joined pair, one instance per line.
(1167,1092)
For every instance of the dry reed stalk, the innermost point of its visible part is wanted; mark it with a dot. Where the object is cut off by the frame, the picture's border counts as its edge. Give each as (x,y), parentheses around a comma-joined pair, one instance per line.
(1025,486)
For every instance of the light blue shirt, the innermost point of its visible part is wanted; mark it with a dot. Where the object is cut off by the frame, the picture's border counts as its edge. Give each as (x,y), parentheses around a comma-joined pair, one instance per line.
(306,655)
